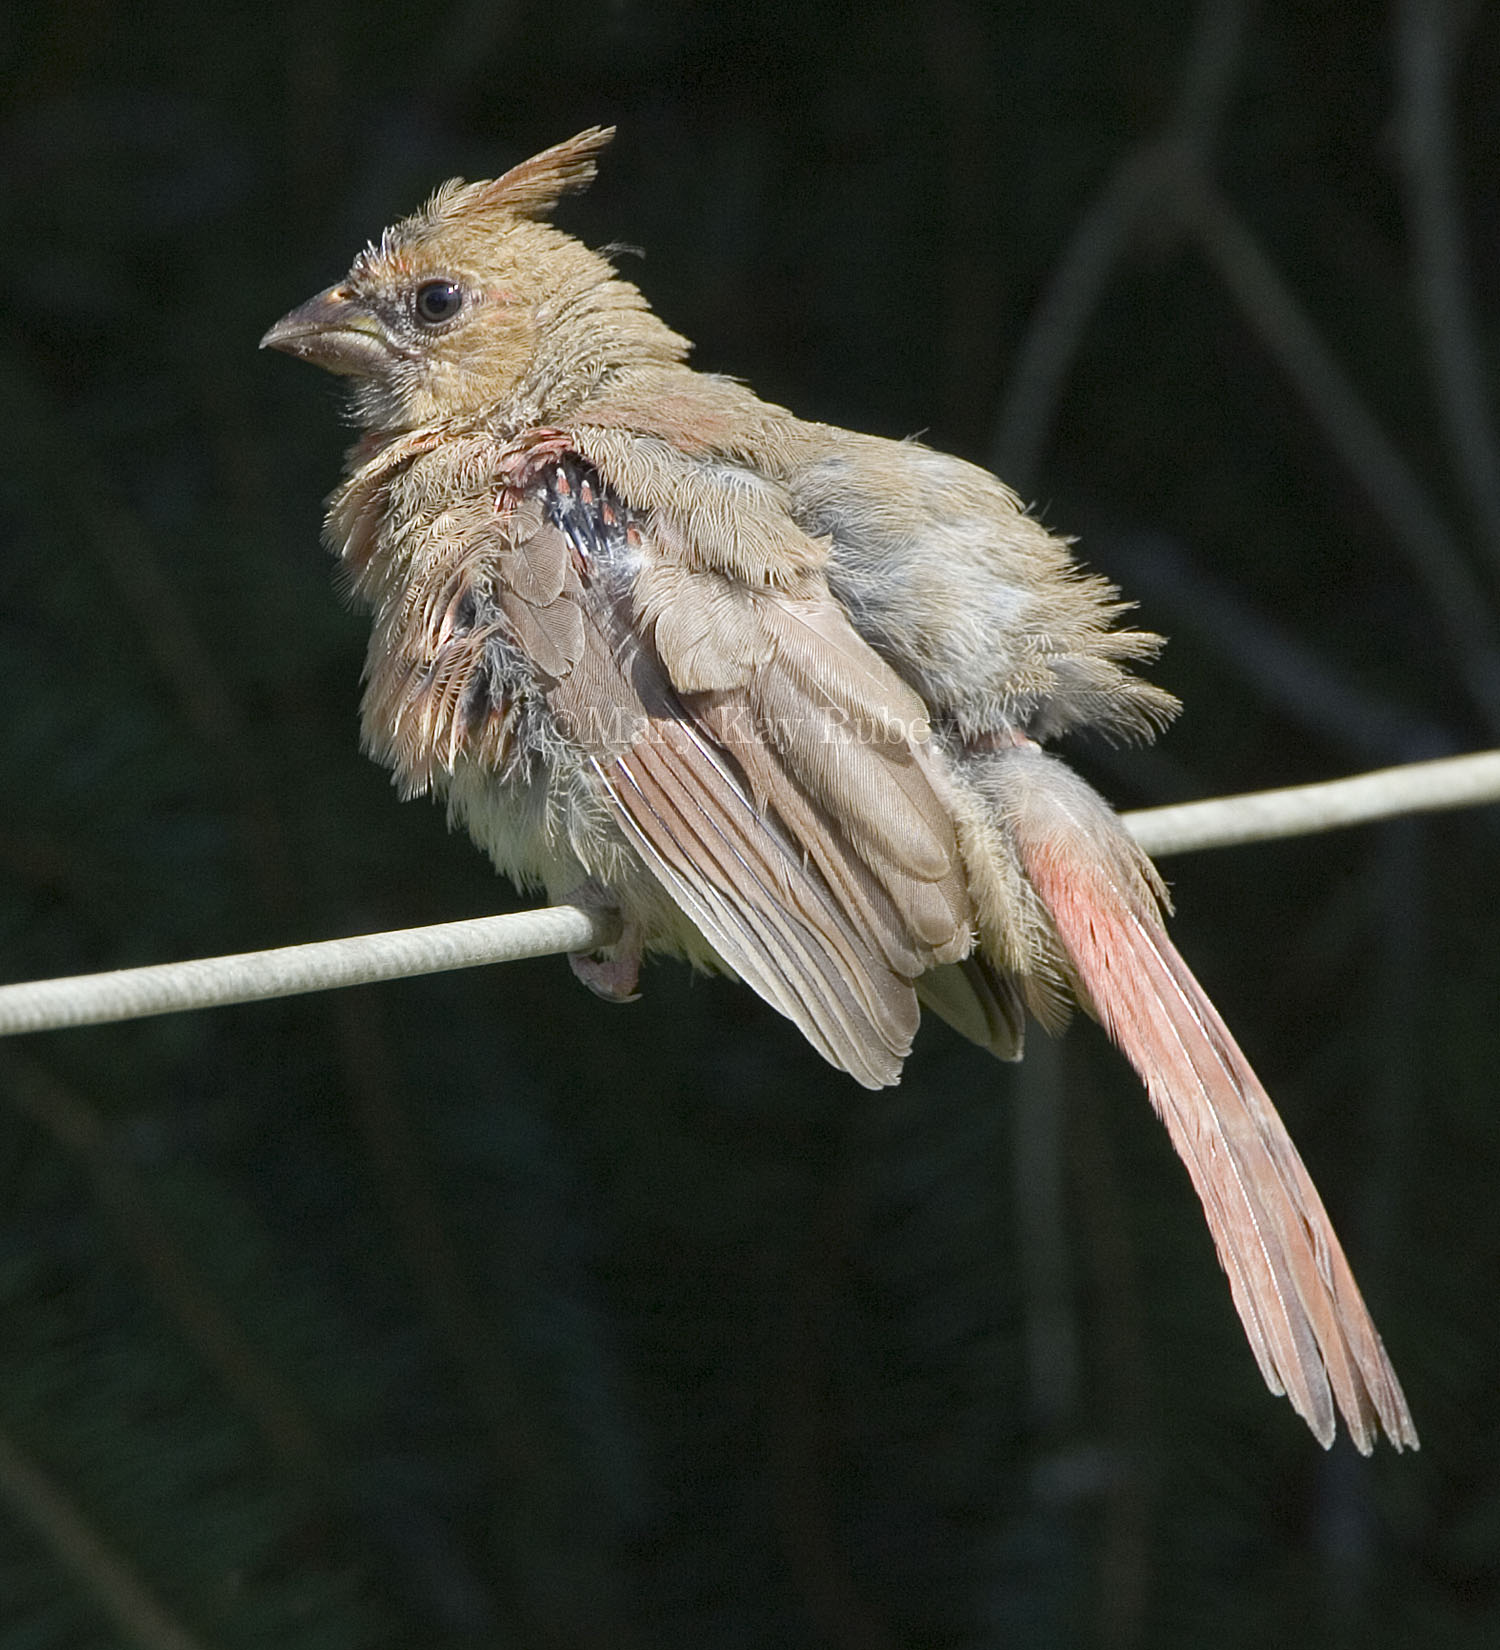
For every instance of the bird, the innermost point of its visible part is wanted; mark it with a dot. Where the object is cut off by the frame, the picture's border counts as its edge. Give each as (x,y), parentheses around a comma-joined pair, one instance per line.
(777,696)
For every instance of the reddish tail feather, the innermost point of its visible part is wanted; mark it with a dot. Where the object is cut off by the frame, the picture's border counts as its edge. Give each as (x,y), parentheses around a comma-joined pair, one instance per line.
(1291,1284)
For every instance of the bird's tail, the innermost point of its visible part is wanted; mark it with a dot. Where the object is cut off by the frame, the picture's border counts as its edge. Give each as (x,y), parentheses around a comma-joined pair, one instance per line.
(1292,1286)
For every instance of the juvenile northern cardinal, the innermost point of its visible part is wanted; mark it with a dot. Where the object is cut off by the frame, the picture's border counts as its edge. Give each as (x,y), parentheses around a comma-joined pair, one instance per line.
(777,692)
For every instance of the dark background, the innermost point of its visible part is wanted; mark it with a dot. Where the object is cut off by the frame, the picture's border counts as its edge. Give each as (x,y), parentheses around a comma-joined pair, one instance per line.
(475,1312)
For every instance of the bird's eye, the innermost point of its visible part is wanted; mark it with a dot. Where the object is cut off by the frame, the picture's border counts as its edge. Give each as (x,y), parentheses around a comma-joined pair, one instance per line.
(438,301)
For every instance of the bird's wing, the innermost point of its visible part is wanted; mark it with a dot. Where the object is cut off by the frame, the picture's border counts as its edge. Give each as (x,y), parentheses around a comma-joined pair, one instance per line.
(769,769)
(980,1002)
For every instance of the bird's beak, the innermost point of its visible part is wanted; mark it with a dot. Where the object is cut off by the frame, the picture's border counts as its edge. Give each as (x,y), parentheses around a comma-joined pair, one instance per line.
(334,331)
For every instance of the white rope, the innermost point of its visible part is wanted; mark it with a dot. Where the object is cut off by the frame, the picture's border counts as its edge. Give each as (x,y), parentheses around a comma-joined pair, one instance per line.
(252,976)
(1300,810)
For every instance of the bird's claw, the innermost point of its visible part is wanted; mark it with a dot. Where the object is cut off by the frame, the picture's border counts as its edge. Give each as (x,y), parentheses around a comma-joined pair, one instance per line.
(613,971)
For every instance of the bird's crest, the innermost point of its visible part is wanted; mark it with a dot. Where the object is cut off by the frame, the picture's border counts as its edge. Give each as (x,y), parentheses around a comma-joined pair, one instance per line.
(531,189)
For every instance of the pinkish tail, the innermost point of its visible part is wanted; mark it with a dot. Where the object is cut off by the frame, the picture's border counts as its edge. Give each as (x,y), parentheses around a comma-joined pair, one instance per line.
(1293,1288)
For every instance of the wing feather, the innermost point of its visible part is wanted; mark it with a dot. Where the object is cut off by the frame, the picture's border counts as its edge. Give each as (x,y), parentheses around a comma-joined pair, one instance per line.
(765,764)
(776,929)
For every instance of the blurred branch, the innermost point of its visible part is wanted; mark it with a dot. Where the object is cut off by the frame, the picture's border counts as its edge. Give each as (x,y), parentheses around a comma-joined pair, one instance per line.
(803,1439)
(1400,1054)
(1109,1256)
(205,1324)
(137,1615)
(1427,50)
(400,1168)
(1050,1327)
(165,626)
(1171,176)
(1308,688)
(1035,383)
(168,628)
(254,976)
(1392,486)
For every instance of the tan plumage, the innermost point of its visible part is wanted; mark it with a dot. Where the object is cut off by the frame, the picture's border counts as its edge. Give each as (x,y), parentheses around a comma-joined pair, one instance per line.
(774,690)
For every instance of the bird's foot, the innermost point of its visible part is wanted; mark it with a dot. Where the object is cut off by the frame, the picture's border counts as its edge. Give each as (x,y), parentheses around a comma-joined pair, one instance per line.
(613,971)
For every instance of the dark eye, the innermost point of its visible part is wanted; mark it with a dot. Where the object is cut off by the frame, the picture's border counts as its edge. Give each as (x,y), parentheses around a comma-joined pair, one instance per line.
(438,301)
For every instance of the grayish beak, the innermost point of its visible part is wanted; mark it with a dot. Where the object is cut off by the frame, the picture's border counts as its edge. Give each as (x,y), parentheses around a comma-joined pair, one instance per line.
(335,332)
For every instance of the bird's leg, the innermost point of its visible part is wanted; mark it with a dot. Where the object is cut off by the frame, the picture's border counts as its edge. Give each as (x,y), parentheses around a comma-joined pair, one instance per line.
(613,971)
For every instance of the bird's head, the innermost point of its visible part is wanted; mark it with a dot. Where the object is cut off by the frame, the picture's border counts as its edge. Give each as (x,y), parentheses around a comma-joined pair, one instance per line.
(476,307)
